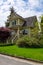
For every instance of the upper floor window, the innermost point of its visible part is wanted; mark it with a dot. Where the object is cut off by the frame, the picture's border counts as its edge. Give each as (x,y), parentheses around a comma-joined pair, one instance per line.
(14,22)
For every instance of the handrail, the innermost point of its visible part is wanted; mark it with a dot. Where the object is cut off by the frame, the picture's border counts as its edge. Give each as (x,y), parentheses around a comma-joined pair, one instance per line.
(14,38)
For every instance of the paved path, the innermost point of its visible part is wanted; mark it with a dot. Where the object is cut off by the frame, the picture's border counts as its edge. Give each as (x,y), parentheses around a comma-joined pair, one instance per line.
(7,60)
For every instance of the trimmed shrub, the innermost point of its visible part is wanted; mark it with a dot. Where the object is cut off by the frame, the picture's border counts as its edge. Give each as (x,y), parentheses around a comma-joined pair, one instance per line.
(41,40)
(27,41)
(22,42)
(33,42)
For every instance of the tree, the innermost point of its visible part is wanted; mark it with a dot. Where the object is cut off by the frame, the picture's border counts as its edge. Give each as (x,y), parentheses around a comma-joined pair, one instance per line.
(41,23)
(10,17)
(12,10)
(35,30)
(12,14)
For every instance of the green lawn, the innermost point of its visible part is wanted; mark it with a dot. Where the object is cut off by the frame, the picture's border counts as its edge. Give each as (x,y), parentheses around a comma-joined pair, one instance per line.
(34,53)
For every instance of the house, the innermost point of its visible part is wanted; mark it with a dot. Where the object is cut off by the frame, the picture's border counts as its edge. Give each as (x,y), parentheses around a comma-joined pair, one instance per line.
(19,25)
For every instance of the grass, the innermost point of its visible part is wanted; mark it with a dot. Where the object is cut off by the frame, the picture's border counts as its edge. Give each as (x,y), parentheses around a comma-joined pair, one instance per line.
(34,53)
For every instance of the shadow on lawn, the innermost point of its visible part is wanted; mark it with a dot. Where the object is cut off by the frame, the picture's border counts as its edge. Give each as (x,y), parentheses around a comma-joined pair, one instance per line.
(10,44)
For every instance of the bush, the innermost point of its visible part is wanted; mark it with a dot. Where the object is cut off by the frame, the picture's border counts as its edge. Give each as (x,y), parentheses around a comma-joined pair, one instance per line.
(34,42)
(5,44)
(41,40)
(22,42)
(27,41)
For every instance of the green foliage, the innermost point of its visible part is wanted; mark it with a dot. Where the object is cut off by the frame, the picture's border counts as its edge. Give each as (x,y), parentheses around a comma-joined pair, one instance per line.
(34,42)
(5,44)
(41,24)
(35,30)
(23,42)
(27,41)
(41,40)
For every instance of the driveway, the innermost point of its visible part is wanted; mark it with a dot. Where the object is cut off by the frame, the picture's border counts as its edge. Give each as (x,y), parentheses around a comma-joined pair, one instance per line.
(7,60)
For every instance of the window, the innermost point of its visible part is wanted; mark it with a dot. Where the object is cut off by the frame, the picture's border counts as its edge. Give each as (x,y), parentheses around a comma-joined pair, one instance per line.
(25,31)
(14,23)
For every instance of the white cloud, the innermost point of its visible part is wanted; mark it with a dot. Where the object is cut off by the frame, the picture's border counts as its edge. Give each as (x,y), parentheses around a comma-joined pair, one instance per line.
(34,2)
(1,2)
(23,8)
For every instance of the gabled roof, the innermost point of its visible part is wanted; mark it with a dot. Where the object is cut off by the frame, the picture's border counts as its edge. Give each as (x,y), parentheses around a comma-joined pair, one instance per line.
(30,21)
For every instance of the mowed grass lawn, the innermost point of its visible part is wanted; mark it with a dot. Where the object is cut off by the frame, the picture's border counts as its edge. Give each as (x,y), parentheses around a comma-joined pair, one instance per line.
(34,53)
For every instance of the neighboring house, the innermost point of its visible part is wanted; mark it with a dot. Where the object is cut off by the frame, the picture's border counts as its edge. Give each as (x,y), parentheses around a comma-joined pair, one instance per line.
(19,25)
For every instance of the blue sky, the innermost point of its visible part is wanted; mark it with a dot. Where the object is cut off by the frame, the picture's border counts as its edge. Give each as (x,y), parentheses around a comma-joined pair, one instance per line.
(25,8)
